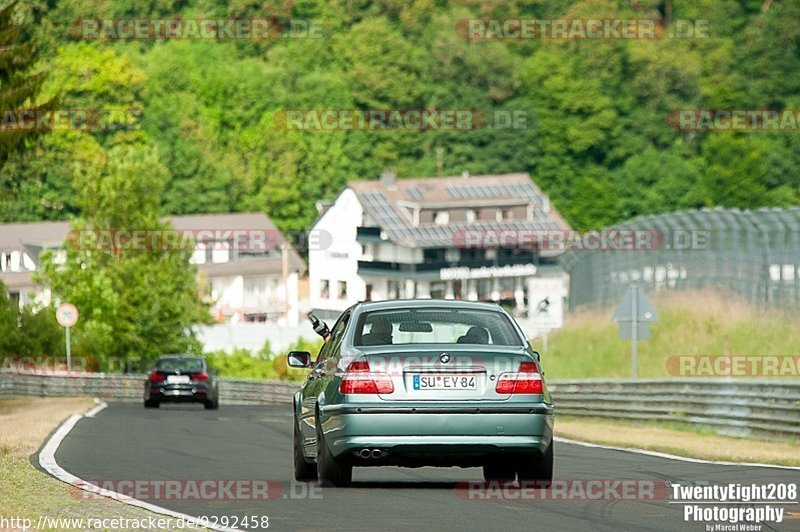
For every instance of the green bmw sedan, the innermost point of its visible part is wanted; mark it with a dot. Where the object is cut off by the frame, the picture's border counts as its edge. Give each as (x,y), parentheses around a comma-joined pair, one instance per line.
(423,383)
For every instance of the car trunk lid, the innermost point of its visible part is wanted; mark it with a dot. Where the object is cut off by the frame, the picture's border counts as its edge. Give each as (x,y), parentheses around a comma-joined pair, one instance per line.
(444,372)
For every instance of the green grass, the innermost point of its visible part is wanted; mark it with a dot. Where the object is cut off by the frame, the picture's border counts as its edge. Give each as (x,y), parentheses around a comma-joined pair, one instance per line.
(691,323)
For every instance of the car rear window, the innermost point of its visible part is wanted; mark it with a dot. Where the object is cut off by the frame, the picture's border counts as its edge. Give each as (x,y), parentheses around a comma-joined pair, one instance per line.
(182,364)
(435,326)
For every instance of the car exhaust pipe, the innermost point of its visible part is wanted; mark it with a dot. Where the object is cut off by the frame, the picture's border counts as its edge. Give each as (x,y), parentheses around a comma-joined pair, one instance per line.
(364,453)
(376,453)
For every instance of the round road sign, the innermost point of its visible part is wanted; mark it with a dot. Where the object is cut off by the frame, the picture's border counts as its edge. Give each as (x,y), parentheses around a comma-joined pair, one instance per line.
(67,315)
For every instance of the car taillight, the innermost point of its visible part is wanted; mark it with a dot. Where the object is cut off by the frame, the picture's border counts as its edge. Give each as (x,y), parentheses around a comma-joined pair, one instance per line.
(527,379)
(200,376)
(157,377)
(358,378)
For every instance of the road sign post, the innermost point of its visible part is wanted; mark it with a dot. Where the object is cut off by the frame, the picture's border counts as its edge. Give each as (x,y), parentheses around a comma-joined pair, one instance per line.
(545,306)
(634,333)
(634,314)
(67,316)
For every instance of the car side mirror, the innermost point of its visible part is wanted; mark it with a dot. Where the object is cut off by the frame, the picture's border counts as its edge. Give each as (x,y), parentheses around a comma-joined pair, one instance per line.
(537,356)
(299,359)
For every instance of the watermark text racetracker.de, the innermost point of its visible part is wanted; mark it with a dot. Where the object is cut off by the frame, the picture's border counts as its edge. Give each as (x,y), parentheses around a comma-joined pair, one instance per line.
(205,489)
(571,240)
(734,120)
(580,29)
(42,365)
(765,365)
(601,489)
(734,506)
(42,120)
(47,522)
(402,119)
(234,239)
(221,29)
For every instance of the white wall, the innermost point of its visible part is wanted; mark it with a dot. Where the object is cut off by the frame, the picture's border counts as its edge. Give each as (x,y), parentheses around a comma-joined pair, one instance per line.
(229,293)
(340,261)
(390,252)
(252,336)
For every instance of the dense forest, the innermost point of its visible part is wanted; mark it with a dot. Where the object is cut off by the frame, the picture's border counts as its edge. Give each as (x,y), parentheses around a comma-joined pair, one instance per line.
(199,116)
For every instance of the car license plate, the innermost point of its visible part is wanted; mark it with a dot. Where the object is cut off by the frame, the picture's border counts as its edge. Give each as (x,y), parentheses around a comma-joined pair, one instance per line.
(445,382)
(177,379)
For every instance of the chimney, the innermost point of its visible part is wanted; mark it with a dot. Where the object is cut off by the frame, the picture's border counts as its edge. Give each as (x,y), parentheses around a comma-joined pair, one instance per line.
(323,206)
(388,179)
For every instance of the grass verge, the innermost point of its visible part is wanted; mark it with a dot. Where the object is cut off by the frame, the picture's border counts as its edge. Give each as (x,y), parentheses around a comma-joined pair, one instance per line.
(28,493)
(693,323)
(679,439)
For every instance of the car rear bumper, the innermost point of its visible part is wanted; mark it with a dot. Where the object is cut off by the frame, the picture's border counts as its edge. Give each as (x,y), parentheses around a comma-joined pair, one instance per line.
(180,393)
(438,430)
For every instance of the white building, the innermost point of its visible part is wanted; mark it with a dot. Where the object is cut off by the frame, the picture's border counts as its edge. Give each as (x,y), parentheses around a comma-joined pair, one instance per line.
(245,283)
(405,238)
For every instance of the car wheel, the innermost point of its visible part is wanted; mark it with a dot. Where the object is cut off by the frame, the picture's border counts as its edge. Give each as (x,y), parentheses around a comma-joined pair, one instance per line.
(539,471)
(150,403)
(331,471)
(499,471)
(212,405)
(302,469)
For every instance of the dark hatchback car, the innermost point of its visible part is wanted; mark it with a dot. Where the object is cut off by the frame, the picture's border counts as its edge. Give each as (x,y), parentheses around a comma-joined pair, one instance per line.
(181,378)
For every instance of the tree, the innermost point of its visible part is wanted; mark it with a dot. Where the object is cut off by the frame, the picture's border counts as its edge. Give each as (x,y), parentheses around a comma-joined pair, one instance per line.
(135,302)
(10,335)
(28,332)
(19,85)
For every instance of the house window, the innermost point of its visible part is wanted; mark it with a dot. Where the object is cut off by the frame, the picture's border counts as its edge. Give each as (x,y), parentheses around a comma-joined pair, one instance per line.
(255,292)
(341,291)
(325,289)
(472,255)
(437,290)
(433,255)
(441,217)
(392,289)
(471,215)
(199,254)
(504,215)
(220,253)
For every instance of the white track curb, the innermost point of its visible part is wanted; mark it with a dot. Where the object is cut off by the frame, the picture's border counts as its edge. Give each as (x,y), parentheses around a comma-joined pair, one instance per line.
(670,456)
(47,459)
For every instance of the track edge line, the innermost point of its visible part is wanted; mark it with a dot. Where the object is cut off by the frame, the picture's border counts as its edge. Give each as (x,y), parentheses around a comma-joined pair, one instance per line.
(670,456)
(47,461)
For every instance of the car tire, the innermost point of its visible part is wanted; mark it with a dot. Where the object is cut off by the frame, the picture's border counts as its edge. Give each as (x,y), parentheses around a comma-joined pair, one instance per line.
(150,403)
(212,405)
(331,471)
(303,471)
(539,471)
(499,471)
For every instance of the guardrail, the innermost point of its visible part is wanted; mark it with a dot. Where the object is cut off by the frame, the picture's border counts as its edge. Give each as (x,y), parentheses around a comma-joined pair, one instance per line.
(735,407)
(130,387)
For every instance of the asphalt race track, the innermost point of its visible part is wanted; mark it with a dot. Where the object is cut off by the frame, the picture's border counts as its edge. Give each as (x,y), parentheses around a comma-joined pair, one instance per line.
(185,442)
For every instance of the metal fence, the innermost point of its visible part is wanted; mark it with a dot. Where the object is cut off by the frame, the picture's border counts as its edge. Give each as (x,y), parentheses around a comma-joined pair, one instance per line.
(131,387)
(742,408)
(745,408)
(755,254)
